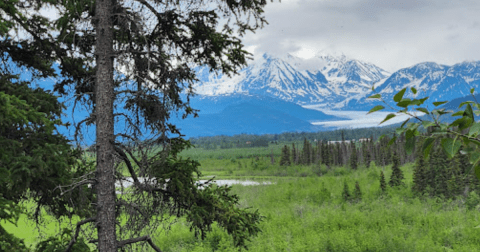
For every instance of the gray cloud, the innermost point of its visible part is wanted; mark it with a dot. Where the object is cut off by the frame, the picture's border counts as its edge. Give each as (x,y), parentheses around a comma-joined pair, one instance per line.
(391,34)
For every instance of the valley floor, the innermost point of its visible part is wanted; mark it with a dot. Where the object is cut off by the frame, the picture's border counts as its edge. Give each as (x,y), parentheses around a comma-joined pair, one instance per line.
(310,214)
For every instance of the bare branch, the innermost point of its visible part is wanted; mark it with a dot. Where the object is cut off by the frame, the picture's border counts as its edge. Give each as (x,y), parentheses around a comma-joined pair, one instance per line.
(131,156)
(146,238)
(86,181)
(77,231)
(124,157)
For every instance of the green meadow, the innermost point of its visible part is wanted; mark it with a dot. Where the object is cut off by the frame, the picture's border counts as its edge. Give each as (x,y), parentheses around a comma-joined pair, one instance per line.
(304,209)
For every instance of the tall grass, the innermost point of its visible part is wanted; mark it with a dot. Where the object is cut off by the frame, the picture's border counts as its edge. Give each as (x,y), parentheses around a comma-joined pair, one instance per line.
(309,214)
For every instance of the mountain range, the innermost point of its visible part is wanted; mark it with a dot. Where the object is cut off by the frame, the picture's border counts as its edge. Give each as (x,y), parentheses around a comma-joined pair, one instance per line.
(326,81)
(338,82)
(267,96)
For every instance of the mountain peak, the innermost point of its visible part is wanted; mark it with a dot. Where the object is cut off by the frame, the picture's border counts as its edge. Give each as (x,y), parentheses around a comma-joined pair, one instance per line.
(327,79)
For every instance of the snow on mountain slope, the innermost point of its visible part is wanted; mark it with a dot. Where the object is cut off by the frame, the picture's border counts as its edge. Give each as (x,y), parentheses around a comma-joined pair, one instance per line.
(438,82)
(327,80)
(338,82)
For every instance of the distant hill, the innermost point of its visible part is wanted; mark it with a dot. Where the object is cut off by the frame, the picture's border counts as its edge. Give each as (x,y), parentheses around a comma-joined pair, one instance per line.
(230,115)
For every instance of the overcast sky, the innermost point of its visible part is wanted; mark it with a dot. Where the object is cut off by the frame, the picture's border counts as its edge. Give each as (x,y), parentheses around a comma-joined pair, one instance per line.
(392,34)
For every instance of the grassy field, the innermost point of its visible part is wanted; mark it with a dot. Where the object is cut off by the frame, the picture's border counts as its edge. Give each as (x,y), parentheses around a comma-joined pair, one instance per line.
(304,210)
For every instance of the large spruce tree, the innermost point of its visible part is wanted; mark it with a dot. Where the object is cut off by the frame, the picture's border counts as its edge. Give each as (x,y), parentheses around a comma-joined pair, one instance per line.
(396,178)
(134,63)
(420,175)
(285,159)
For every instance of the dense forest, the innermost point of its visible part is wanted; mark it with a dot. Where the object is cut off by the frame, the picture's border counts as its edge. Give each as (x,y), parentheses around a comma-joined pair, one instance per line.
(249,140)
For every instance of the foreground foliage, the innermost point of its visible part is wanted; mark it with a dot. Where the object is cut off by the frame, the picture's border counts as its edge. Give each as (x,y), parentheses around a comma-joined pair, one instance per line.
(461,135)
(35,161)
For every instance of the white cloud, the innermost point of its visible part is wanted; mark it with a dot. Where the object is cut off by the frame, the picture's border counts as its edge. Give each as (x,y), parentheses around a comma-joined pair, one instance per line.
(389,33)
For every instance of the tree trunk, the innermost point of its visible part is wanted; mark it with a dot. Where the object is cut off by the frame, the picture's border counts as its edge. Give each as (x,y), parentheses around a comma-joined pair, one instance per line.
(104,95)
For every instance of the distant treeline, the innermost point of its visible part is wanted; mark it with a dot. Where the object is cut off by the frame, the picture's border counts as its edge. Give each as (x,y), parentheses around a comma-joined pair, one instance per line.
(346,153)
(250,140)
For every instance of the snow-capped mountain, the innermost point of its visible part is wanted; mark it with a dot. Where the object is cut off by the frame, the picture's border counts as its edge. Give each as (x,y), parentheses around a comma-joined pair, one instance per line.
(328,80)
(438,82)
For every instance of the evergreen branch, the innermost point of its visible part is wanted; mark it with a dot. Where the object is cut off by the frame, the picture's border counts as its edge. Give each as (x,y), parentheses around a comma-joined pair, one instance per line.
(122,202)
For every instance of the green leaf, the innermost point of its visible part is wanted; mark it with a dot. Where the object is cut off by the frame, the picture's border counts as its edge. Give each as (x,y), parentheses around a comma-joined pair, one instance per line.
(388,117)
(462,123)
(440,112)
(469,112)
(392,141)
(424,110)
(405,103)
(409,134)
(458,113)
(477,171)
(476,142)
(474,157)
(422,100)
(399,131)
(414,91)
(417,102)
(375,96)
(410,145)
(451,146)
(427,124)
(436,104)
(472,90)
(464,103)
(427,146)
(405,122)
(474,130)
(398,97)
(376,108)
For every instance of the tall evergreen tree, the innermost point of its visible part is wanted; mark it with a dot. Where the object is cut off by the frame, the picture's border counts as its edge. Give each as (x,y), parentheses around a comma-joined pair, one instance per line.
(285,159)
(142,53)
(353,157)
(383,184)
(420,175)
(346,191)
(357,192)
(438,172)
(306,152)
(368,159)
(294,154)
(396,178)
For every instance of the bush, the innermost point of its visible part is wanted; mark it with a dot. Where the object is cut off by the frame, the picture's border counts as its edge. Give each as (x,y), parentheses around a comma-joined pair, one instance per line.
(472,200)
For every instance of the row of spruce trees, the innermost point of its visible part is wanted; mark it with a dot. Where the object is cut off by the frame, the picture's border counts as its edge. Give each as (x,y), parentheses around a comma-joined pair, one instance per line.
(436,176)
(345,153)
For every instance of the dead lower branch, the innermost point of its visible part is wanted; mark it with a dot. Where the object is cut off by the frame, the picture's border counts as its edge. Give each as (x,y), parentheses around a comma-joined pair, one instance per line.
(146,238)
(77,231)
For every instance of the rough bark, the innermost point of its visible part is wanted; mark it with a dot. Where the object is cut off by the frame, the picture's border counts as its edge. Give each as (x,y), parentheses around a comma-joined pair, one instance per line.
(104,95)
